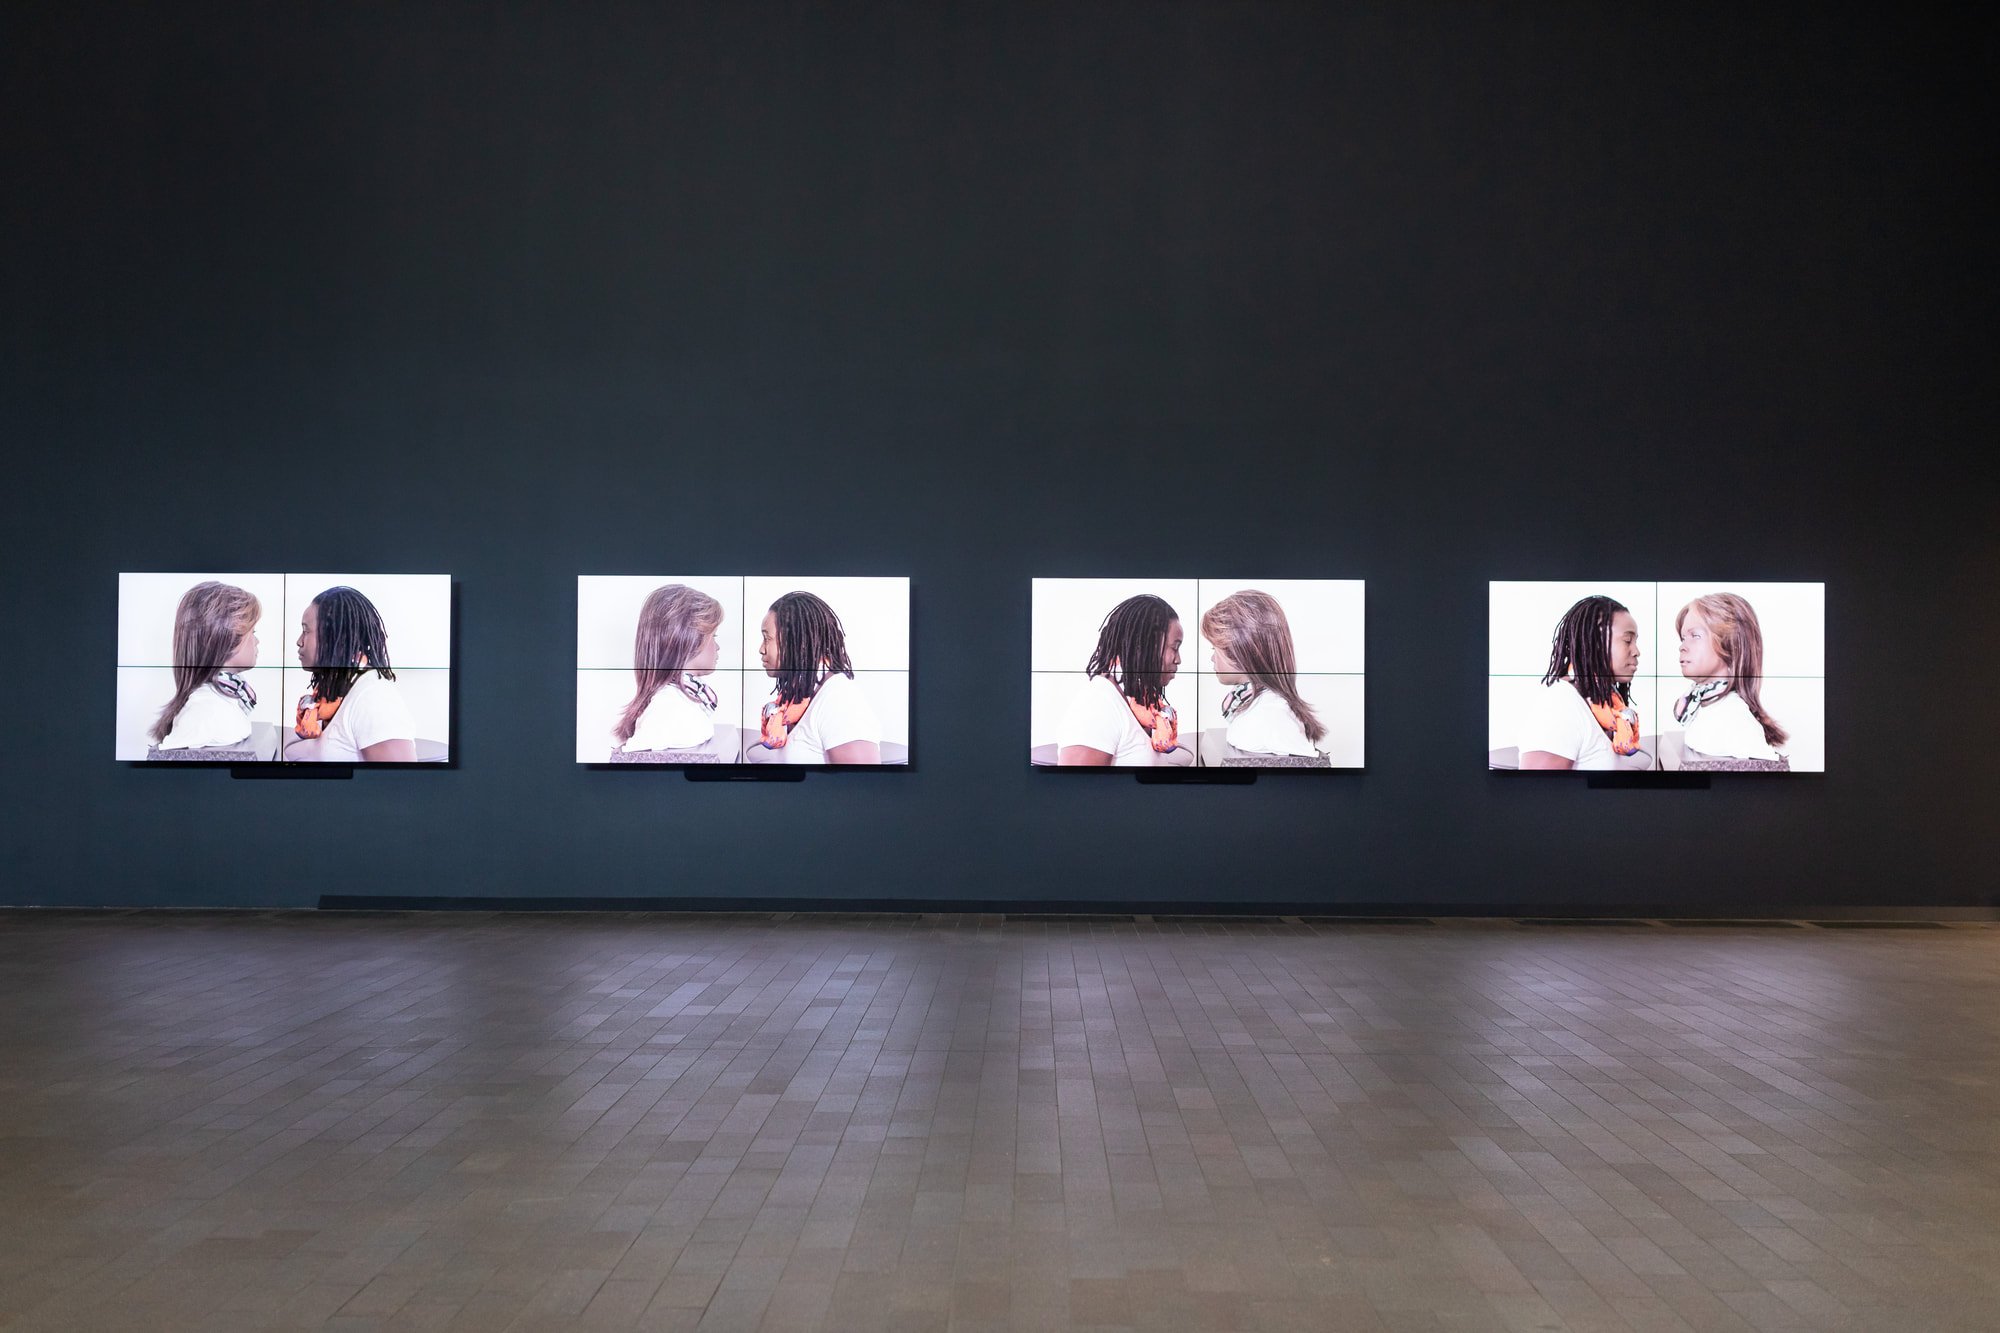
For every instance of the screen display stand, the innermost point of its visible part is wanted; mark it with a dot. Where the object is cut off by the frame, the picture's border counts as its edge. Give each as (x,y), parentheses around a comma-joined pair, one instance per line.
(1657,781)
(748,773)
(297,772)
(1222,777)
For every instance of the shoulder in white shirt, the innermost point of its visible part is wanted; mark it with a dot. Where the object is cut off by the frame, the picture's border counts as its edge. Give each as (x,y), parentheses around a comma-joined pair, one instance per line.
(839,713)
(372,712)
(1100,717)
(1267,725)
(1725,728)
(1559,722)
(673,721)
(209,719)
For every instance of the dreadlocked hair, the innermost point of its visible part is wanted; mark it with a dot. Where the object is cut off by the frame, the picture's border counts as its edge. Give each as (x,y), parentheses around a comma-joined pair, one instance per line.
(1582,651)
(211,619)
(811,646)
(351,640)
(673,625)
(1132,648)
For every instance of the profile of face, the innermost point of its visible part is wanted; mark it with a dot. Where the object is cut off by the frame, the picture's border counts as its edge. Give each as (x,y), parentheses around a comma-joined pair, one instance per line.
(702,663)
(308,644)
(1227,671)
(244,655)
(767,645)
(1701,655)
(1624,647)
(1170,660)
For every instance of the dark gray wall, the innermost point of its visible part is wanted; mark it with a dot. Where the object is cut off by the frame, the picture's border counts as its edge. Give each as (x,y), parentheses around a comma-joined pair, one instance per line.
(1424,294)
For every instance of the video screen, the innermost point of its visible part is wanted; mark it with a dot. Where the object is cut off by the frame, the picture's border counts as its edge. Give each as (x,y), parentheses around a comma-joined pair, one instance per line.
(1674,677)
(1225,673)
(730,669)
(284,668)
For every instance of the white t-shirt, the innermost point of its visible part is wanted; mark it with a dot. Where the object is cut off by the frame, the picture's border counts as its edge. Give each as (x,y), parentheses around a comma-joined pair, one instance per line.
(839,713)
(1560,722)
(1100,718)
(208,719)
(1725,728)
(673,721)
(372,712)
(1267,725)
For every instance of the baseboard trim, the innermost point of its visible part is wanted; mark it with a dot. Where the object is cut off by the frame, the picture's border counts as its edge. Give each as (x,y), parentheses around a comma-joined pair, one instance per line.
(1028,912)
(1319,912)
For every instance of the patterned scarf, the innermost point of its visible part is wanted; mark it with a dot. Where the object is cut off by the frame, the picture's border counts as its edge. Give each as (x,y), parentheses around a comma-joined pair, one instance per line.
(1238,699)
(313,715)
(1620,721)
(1161,725)
(1690,703)
(237,688)
(778,720)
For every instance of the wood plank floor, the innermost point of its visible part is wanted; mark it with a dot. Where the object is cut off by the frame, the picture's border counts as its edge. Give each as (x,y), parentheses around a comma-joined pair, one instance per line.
(298,1121)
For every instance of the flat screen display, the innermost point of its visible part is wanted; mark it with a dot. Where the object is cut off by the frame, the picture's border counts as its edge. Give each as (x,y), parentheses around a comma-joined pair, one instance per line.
(284,668)
(1699,677)
(677,669)
(1227,673)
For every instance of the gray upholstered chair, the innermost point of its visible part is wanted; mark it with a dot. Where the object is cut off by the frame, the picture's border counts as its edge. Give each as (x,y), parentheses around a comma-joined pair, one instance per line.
(724,747)
(261,747)
(1217,752)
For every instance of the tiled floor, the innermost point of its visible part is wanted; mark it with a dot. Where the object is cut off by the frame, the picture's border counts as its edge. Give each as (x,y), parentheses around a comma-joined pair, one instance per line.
(614,1122)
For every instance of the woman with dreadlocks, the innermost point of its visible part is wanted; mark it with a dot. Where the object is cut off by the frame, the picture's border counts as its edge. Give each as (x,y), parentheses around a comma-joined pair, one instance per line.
(354,713)
(1121,717)
(1254,656)
(1585,717)
(672,707)
(818,713)
(1722,657)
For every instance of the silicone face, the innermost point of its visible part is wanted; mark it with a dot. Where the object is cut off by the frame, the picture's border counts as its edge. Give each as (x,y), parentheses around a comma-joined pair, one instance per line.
(1700,658)
(1226,669)
(244,655)
(704,659)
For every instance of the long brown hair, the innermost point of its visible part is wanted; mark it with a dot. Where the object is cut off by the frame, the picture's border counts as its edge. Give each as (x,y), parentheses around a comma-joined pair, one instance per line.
(672,625)
(211,619)
(1739,641)
(1251,627)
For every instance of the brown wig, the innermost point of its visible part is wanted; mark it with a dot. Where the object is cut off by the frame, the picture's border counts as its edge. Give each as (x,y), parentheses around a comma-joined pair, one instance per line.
(1582,650)
(1132,648)
(1251,627)
(673,624)
(1739,641)
(352,640)
(811,646)
(210,621)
